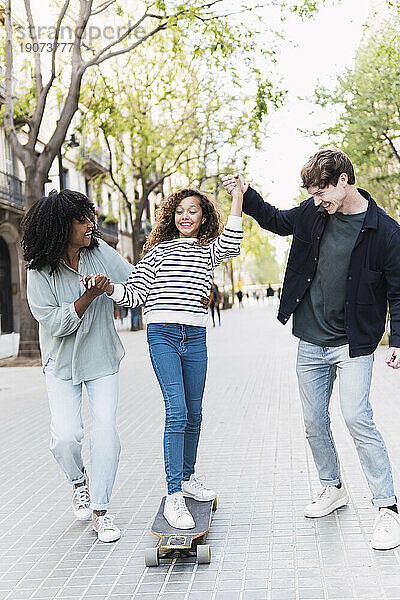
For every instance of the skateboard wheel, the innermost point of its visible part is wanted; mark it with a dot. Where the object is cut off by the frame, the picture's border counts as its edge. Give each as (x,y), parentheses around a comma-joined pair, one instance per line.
(151,557)
(203,554)
(215,504)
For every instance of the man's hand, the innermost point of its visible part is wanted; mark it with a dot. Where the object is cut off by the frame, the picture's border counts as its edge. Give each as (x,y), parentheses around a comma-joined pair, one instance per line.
(205,302)
(95,285)
(393,358)
(231,181)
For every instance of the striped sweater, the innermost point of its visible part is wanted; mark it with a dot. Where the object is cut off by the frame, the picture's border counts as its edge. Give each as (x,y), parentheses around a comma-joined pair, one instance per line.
(173,276)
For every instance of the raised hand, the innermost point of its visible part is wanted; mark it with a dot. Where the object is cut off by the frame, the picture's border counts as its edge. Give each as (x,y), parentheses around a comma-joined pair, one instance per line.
(231,181)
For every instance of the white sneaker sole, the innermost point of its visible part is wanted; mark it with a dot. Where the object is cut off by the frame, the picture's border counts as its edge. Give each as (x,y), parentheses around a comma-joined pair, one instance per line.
(188,495)
(329,509)
(83,517)
(381,547)
(109,538)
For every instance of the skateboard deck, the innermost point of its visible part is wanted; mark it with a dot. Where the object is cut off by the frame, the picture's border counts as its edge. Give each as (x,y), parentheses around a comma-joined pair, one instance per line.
(181,542)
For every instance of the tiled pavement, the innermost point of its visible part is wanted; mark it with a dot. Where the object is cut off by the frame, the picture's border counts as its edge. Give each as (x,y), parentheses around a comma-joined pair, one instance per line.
(252,450)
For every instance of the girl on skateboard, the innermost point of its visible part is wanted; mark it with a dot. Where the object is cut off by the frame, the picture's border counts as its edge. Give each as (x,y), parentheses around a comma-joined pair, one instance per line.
(172,282)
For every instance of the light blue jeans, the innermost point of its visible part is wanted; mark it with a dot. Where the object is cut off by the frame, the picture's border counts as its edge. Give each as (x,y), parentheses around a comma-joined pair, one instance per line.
(179,357)
(65,400)
(317,367)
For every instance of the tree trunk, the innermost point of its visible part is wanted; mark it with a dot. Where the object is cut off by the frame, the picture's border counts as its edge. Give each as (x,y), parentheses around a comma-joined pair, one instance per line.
(28,329)
(136,244)
(230,263)
(137,249)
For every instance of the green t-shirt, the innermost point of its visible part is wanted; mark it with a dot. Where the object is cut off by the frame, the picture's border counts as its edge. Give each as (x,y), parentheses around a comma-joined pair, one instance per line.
(319,318)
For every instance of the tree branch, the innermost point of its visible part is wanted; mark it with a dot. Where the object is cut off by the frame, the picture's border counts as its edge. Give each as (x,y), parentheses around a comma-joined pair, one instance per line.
(233,13)
(36,119)
(111,169)
(83,18)
(119,40)
(185,11)
(72,100)
(18,148)
(99,58)
(32,33)
(173,169)
(103,7)
(393,147)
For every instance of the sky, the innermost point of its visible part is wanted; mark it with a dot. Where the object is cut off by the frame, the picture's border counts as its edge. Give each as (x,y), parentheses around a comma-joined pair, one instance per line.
(321,49)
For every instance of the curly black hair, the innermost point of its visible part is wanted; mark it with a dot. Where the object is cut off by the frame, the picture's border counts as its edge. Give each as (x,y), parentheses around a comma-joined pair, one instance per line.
(47,226)
(165,228)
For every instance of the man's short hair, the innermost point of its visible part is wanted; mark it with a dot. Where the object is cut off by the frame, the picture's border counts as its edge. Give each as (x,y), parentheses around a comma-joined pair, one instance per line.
(325,168)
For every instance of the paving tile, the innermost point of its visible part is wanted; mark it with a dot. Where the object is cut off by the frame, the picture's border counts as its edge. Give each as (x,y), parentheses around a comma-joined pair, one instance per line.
(252,449)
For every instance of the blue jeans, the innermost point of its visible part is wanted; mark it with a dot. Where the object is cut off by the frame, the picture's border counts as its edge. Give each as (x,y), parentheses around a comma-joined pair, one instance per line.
(179,357)
(317,367)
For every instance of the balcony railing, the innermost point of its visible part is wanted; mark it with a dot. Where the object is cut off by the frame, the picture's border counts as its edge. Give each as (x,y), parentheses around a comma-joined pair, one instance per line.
(95,162)
(11,190)
(108,228)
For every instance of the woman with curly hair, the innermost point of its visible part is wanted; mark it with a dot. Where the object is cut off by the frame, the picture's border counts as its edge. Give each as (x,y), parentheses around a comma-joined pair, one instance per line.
(78,342)
(171,282)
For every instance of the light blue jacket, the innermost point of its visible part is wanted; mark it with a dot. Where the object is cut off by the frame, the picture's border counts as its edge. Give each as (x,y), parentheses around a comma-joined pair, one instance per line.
(87,347)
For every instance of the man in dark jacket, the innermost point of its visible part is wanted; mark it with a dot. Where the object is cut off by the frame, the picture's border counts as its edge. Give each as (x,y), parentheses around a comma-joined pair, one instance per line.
(342,271)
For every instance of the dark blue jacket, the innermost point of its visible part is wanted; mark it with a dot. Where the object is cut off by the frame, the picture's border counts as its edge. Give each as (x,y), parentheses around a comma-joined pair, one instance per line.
(373,278)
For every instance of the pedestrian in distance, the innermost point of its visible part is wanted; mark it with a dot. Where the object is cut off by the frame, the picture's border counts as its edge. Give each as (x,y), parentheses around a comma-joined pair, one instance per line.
(239,295)
(134,312)
(78,342)
(173,282)
(342,272)
(215,303)
(270,291)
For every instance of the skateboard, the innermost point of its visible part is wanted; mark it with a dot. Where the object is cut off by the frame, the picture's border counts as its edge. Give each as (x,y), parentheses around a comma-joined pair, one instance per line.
(174,543)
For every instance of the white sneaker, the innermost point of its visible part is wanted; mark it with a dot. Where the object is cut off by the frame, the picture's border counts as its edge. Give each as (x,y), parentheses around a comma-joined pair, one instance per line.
(176,512)
(81,502)
(329,498)
(386,530)
(106,529)
(195,488)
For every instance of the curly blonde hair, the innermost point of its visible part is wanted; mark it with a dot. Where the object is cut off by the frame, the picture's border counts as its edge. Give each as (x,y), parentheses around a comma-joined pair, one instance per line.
(165,228)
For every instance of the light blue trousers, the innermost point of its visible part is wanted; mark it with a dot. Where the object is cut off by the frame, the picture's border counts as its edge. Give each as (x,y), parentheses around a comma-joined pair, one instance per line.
(65,401)
(317,367)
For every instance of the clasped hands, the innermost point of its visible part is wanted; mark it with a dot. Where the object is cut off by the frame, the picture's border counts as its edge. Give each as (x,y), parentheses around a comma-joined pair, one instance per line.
(96,285)
(231,182)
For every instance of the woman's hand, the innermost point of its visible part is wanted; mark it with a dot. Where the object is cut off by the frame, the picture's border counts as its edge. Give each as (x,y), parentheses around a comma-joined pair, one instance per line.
(95,285)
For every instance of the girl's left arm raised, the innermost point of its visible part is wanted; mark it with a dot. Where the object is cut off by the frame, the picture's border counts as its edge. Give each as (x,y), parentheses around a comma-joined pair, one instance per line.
(227,245)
